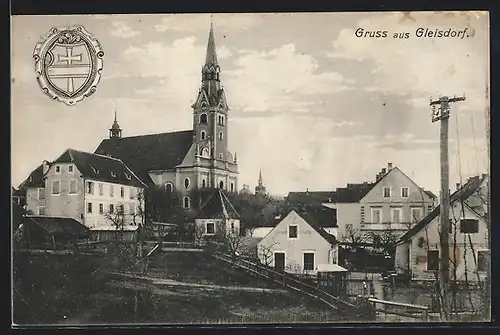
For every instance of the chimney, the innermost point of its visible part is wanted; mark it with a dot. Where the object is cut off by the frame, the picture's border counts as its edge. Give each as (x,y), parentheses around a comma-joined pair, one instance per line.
(45,167)
(384,170)
(458,185)
(377,177)
(389,166)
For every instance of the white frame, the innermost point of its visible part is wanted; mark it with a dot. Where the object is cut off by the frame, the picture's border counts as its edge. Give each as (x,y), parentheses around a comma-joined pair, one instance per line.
(38,193)
(390,192)
(420,209)
(314,259)
(171,185)
(400,209)
(407,194)
(55,169)
(38,210)
(184,202)
(288,231)
(206,228)
(373,209)
(76,187)
(52,187)
(199,118)
(72,168)
(91,188)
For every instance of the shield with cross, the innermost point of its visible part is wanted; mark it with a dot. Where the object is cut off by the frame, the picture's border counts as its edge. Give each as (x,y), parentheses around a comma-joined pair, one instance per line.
(68,67)
(68,64)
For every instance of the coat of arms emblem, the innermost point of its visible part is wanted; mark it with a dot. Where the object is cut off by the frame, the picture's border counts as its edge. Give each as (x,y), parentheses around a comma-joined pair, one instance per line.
(68,64)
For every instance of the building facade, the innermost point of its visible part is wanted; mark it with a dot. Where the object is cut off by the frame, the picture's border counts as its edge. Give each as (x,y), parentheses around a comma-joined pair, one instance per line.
(298,244)
(92,189)
(185,160)
(418,251)
(394,203)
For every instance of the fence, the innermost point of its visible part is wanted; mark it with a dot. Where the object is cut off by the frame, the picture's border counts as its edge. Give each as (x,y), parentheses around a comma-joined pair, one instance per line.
(291,282)
(400,309)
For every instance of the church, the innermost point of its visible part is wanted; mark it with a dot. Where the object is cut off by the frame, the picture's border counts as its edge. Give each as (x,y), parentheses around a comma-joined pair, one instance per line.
(182,161)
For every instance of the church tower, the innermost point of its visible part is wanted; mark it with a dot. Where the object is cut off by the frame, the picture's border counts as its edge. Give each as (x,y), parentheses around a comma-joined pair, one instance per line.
(210,114)
(115,131)
(260,189)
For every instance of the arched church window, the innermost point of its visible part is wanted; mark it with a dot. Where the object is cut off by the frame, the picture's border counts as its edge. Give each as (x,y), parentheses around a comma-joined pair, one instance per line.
(204,152)
(221,135)
(186,182)
(203,183)
(186,203)
(203,134)
(203,118)
(169,187)
(221,184)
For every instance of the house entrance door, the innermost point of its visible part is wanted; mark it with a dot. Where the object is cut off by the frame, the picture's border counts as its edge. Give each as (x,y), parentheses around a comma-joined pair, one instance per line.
(279,261)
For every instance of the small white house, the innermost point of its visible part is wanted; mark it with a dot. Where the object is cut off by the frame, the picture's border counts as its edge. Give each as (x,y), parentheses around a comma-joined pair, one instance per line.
(217,216)
(298,244)
(418,251)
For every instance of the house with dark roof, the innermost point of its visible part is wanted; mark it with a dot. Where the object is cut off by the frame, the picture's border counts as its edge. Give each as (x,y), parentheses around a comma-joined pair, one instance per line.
(92,189)
(217,217)
(418,250)
(33,188)
(393,202)
(188,159)
(299,244)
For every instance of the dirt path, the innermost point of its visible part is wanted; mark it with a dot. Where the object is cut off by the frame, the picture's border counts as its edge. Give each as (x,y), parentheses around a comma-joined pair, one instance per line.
(171,282)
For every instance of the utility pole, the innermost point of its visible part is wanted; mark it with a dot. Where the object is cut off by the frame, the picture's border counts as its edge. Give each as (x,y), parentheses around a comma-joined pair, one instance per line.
(443,114)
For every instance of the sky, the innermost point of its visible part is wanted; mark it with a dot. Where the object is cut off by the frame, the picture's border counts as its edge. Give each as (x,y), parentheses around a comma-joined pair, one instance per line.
(311,105)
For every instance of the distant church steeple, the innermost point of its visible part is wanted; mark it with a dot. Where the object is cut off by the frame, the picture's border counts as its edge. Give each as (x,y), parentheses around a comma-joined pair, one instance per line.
(260,189)
(115,131)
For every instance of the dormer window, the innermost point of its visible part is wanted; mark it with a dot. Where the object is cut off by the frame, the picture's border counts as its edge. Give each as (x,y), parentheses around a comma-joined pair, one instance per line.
(203,118)
(128,176)
(113,174)
(96,171)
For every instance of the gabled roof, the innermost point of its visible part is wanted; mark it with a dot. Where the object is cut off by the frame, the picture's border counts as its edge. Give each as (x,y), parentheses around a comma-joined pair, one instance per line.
(312,221)
(462,194)
(59,225)
(310,197)
(149,152)
(35,178)
(324,216)
(217,206)
(101,168)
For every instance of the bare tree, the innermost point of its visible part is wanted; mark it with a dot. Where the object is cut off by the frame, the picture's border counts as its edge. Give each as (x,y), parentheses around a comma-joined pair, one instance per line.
(266,254)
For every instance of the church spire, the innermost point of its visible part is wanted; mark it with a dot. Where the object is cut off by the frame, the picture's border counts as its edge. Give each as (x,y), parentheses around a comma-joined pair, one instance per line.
(211,57)
(260,178)
(115,131)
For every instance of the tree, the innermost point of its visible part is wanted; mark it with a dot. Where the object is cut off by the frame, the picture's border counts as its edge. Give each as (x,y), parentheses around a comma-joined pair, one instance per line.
(266,254)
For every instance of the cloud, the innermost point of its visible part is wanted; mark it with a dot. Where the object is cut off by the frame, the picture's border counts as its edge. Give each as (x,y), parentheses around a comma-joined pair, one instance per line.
(422,67)
(279,80)
(123,30)
(222,22)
